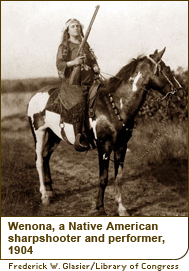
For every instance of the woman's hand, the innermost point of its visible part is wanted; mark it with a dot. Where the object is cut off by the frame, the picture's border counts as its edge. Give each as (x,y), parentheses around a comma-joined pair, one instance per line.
(77,61)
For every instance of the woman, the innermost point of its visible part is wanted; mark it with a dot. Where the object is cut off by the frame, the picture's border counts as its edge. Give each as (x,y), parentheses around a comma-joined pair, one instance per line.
(74,95)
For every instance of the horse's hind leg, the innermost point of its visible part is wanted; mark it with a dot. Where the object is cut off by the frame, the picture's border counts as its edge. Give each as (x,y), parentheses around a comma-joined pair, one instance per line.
(119,156)
(51,142)
(46,142)
(40,137)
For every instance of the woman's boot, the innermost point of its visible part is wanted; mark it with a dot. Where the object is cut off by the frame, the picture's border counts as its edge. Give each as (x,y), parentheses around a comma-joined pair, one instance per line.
(81,140)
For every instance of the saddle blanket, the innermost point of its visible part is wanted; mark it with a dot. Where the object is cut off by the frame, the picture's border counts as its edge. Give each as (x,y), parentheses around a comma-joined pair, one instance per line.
(77,112)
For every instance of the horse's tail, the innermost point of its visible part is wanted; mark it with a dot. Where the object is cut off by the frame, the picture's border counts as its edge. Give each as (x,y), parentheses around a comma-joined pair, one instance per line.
(32,130)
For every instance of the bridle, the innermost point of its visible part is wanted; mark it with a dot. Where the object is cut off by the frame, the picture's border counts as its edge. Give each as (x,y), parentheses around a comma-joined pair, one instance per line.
(159,69)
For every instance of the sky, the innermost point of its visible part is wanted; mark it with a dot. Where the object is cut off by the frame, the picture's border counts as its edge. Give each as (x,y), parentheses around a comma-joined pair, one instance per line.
(31,33)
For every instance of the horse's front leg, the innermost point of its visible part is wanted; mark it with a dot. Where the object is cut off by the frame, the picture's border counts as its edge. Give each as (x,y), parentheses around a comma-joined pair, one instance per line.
(104,158)
(51,143)
(119,156)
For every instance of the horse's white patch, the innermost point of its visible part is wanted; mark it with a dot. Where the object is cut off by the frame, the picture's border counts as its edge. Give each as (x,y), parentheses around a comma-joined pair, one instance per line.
(118,189)
(121,103)
(93,126)
(37,103)
(52,121)
(136,78)
(105,157)
(102,119)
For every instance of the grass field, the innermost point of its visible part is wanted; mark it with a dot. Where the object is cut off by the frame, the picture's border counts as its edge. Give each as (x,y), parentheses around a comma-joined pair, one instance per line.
(155,185)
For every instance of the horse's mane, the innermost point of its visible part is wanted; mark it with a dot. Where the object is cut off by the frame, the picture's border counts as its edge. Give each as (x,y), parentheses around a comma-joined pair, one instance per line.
(123,75)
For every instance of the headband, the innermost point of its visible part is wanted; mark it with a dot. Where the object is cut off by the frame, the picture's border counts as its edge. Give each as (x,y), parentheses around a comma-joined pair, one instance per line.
(71,21)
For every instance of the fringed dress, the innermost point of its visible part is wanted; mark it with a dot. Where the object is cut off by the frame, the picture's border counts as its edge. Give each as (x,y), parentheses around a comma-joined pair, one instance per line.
(73,97)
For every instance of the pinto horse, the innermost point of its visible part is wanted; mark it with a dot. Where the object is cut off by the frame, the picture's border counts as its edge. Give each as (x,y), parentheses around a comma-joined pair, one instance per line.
(116,106)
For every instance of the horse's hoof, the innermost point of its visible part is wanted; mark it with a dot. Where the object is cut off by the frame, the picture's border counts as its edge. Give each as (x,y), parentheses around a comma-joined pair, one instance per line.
(123,212)
(101,211)
(45,201)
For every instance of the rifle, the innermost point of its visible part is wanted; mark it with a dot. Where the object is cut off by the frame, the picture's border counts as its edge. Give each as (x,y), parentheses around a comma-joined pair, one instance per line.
(75,75)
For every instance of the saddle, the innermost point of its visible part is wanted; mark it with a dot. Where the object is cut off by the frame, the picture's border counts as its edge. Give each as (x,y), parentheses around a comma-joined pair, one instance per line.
(55,105)
(71,116)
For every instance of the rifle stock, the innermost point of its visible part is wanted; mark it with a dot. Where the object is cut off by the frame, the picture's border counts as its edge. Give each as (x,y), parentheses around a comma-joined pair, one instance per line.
(75,77)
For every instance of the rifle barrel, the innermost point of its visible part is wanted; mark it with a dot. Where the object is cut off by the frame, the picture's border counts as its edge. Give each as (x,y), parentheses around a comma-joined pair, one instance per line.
(77,69)
(88,31)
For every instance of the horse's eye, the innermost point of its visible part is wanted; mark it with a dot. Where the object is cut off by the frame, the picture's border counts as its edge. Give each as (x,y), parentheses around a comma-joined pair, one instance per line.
(167,69)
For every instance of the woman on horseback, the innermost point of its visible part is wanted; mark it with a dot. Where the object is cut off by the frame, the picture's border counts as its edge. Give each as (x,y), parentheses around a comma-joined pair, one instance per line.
(74,95)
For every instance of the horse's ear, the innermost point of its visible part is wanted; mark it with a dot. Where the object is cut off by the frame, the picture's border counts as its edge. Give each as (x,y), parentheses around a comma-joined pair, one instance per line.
(157,56)
(160,54)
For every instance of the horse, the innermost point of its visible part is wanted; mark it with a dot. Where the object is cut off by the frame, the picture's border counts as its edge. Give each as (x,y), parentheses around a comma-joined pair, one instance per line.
(116,105)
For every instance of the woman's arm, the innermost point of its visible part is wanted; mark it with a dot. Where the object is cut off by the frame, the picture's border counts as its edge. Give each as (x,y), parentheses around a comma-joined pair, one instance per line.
(61,64)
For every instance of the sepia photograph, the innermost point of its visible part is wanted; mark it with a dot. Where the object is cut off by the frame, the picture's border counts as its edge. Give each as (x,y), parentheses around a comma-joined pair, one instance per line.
(94,108)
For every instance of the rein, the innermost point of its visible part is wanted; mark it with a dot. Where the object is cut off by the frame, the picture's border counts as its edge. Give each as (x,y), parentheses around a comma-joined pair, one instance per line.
(110,75)
(172,87)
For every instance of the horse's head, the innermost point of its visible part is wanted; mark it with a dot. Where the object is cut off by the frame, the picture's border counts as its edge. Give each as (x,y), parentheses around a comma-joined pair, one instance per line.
(160,75)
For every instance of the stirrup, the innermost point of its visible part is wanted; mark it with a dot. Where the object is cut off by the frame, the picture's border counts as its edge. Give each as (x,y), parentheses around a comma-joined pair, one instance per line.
(80,146)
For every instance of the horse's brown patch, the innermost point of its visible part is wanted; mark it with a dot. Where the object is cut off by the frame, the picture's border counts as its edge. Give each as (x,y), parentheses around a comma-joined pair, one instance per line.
(38,119)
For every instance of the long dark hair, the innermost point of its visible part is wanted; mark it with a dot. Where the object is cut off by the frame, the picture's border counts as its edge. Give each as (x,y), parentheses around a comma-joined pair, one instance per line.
(65,39)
